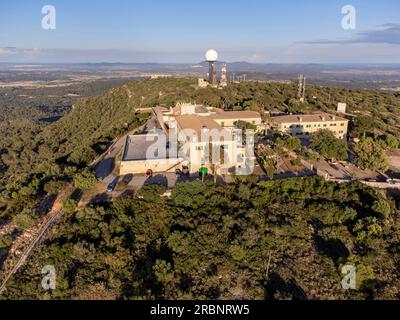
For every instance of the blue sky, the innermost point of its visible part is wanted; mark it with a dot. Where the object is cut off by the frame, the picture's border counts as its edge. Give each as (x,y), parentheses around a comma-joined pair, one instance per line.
(287,31)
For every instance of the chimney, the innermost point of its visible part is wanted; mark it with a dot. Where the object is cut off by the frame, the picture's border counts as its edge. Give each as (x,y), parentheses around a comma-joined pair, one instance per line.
(204,132)
(301,119)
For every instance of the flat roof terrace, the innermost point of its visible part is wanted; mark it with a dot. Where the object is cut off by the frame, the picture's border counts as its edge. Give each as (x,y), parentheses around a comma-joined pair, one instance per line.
(137,146)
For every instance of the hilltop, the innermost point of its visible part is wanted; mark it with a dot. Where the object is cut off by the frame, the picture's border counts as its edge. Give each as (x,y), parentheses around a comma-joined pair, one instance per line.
(206,241)
(32,154)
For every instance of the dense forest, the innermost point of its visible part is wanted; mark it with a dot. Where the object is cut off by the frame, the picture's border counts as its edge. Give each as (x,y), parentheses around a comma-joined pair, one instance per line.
(34,152)
(269,240)
(153,247)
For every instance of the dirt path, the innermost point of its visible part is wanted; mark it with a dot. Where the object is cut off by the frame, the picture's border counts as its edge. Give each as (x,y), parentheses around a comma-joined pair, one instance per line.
(27,241)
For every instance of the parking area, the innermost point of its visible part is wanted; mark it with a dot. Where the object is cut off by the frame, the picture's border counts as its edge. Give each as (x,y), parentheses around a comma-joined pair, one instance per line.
(288,165)
(167,179)
(346,170)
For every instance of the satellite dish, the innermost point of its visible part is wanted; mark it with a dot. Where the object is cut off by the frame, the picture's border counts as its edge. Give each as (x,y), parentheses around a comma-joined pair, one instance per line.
(211,55)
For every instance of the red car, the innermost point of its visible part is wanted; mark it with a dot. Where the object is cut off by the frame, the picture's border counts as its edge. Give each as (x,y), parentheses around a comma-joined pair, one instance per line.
(149,173)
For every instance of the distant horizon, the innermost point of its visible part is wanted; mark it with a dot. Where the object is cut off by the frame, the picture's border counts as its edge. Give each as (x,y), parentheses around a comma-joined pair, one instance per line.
(199,63)
(180,32)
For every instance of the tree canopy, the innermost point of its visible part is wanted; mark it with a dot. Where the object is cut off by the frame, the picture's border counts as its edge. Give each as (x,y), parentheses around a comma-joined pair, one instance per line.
(325,143)
(214,242)
(370,155)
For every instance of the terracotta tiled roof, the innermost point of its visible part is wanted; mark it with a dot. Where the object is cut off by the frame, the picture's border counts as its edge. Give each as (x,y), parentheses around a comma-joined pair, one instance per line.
(197,123)
(317,117)
(236,115)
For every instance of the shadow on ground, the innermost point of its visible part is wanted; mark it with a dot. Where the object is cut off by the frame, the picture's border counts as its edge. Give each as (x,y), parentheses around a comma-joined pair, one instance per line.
(279,289)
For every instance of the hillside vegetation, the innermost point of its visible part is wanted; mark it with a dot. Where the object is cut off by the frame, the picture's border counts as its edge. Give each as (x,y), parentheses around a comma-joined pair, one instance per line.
(31,155)
(277,240)
(206,241)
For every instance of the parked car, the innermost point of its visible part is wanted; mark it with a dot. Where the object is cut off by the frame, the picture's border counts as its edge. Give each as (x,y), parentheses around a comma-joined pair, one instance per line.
(127,178)
(334,166)
(390,181)
(149,173)
(185,170)
(110,187)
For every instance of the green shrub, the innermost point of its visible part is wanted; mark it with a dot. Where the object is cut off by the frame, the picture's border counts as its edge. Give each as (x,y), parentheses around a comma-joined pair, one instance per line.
(69,206)
(5,241)
(24,221)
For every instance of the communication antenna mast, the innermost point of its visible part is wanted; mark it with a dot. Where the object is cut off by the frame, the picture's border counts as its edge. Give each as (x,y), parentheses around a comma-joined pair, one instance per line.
(224,81)
(301,95)
(300,88)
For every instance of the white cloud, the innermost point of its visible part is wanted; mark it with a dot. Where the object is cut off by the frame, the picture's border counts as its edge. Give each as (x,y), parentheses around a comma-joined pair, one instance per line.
(388,33)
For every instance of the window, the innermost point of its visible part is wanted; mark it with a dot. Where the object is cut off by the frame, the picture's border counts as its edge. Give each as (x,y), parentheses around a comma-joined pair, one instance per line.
(222,124)
(199,148)
(325,125)
(342,124)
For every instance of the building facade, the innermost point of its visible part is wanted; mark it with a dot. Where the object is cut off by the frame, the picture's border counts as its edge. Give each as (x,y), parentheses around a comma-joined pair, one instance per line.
(195,136)
(148,152)
(303,126)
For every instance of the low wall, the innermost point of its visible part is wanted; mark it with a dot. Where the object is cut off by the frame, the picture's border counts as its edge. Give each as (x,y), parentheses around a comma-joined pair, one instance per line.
(156,165)
(376,185)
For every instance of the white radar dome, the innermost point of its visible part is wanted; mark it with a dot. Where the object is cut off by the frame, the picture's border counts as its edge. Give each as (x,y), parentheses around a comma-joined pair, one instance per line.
(212,55)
